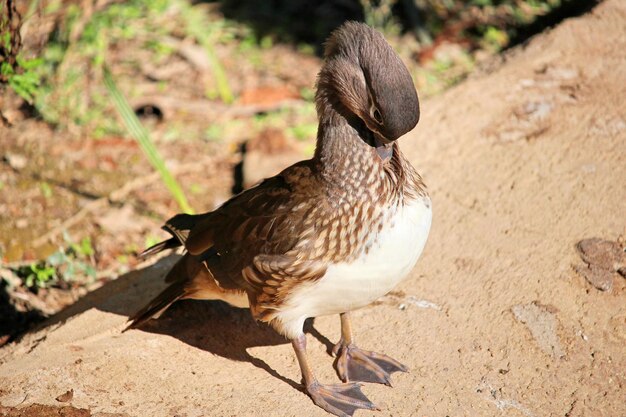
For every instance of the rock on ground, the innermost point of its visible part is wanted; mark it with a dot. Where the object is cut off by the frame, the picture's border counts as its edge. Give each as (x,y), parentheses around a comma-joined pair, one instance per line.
(522,163)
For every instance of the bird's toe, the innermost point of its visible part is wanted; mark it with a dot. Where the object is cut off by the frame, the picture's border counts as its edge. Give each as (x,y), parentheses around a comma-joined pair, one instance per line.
(340,399)
(354,364)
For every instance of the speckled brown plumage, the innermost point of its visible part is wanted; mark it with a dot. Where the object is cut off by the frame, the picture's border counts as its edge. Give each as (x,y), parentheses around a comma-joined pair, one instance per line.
(284,235)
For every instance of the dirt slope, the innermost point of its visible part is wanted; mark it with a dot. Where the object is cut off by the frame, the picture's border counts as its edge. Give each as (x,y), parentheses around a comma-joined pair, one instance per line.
(522,164)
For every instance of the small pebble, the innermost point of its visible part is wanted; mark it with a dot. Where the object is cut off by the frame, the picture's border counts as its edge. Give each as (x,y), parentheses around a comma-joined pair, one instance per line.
(66,397)
(601,279)
(16,161)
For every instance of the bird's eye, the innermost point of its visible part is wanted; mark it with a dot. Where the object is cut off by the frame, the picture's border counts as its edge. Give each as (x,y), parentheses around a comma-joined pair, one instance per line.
(377,116)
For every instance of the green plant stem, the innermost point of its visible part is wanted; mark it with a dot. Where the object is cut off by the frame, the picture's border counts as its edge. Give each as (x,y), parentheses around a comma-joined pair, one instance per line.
(223,87)
(141,135)
(196,27)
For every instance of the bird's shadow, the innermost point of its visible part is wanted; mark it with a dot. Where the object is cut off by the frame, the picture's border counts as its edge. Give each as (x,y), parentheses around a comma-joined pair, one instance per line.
(213,326)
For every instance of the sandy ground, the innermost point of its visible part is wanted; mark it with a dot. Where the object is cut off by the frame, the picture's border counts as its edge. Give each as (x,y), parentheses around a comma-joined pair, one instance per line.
(497,318)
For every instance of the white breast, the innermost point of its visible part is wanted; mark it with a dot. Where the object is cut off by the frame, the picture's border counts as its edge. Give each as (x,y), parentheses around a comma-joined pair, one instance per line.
(348,286)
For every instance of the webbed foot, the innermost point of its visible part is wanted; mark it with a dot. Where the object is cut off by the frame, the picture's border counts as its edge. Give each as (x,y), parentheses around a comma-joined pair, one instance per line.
(354,364)
(340,399)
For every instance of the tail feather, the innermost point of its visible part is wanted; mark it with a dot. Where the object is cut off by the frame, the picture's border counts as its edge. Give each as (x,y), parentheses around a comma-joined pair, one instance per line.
(170,243)
(179,227)
(175,291)
(156,307)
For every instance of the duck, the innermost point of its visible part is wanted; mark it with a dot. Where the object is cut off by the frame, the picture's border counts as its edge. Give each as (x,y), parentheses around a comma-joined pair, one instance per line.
(327,235)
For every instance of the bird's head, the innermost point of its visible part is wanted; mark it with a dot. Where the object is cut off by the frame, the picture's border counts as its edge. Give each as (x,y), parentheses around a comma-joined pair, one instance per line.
(365,81)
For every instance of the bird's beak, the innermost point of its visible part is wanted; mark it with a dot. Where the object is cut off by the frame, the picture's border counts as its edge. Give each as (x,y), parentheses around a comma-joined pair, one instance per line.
(384,147)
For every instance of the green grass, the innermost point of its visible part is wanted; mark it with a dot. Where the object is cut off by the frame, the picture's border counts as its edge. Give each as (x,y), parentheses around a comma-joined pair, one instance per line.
(26,80)
(68,264)
(140,134)
(195,25)
(70,71)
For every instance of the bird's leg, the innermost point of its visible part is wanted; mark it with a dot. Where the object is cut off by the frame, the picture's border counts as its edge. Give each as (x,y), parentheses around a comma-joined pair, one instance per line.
(354,364)
(338,399)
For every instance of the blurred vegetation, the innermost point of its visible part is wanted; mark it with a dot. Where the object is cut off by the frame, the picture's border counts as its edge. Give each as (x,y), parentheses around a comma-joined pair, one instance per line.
(301,21)
(10,39)
(69,264)
(141,135)
(75,55)
(17,72)
(64,79)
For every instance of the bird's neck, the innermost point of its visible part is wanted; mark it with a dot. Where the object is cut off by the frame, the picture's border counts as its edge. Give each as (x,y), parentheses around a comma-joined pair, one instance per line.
(347,164)
(342,156)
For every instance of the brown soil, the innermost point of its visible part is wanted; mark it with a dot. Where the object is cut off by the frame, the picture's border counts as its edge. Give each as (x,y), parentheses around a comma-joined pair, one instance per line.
(523,163)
